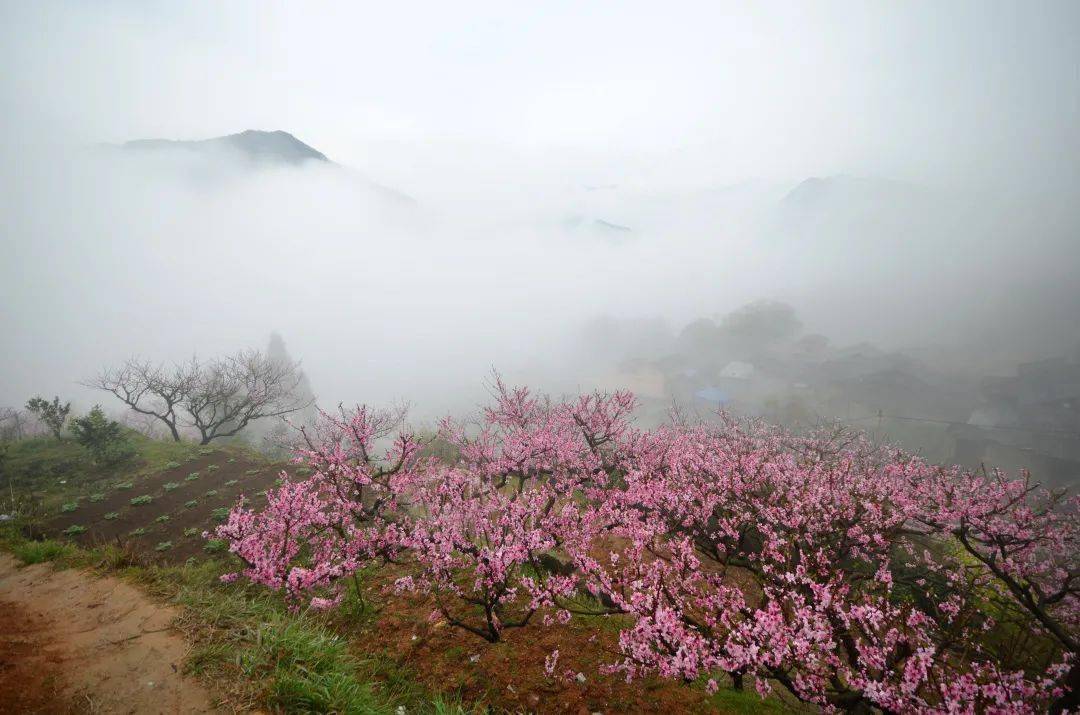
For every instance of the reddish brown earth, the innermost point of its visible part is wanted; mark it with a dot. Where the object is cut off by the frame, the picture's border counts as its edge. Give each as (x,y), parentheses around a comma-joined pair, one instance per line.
(170,503)
(73,643)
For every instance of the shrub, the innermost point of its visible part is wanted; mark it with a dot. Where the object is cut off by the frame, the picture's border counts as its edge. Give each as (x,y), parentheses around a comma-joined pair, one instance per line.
(69,507)
(102,437)
(140,501)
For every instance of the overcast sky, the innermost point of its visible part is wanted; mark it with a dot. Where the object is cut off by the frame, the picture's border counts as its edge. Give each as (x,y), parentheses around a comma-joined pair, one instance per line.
(679,94)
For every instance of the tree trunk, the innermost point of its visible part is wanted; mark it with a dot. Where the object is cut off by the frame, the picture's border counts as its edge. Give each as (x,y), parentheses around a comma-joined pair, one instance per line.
(1070,700)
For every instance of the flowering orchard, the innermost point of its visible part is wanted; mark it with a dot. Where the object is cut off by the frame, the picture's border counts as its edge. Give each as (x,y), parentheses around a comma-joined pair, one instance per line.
(851,576)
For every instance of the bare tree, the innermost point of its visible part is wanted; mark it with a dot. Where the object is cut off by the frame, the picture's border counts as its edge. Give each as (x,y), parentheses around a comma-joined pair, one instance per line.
(151,390)
(13,424)
(231,392)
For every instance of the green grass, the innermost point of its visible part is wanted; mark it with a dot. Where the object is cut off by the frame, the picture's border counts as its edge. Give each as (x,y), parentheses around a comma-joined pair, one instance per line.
(163,546)
(144,499)
(169,486)
(69,507)
(191,504)
(191,477)
(125,485)
(36,552)
(137,532)
(211,493)
(191,531)
(232,483)
(221,514)
(74,530)
(212,467)
(112,516)
(162,519)
(172,465)
(97,498)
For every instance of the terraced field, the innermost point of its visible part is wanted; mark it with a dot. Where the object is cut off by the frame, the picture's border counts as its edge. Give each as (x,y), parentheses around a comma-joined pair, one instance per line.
(164,515)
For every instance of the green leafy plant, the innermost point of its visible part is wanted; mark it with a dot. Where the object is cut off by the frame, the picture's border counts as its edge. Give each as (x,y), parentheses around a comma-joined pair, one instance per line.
(191,504)
(162,519)
(171,485)
(97,498)
(144,499)
(232,482)
(191,477)
(212,467)
(102,437)
(220,514)
(125,485)
(112,516)
(211,493)
(138,532)
(216,546)
(74,530)
(191,531)
(172,465)
(163,546)
(69,507)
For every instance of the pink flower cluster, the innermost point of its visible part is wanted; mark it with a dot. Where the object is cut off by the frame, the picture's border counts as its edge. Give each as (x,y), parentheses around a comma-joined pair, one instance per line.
(850,575)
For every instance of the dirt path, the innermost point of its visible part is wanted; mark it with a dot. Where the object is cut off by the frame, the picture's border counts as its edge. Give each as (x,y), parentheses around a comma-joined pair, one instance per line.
(70,642)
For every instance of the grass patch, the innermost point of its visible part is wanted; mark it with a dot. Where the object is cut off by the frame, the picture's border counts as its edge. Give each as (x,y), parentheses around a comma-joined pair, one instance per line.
(232,482)
(36,552)
(74,530)
(211,493)
(162,519)
(221,514)
(163,546)
(172,465)
(191,531)
(112,516)
(144,499)
(191,504)
(137,532)
(191,477)
(97,498)
(69,507)
(169,486)
(125,485)
(212,467)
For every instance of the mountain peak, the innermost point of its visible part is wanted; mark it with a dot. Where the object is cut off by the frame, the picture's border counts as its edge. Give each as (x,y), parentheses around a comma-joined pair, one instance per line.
(261,146)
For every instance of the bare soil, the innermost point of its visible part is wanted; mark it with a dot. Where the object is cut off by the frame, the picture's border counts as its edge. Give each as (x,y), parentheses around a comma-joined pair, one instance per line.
(211,490)
(74,643)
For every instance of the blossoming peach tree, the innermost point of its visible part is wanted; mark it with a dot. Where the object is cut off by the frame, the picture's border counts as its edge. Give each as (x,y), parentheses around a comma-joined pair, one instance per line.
(851,576)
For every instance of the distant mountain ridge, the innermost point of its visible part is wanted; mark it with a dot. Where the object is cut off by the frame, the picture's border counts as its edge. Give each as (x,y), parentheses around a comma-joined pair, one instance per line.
(258,146)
